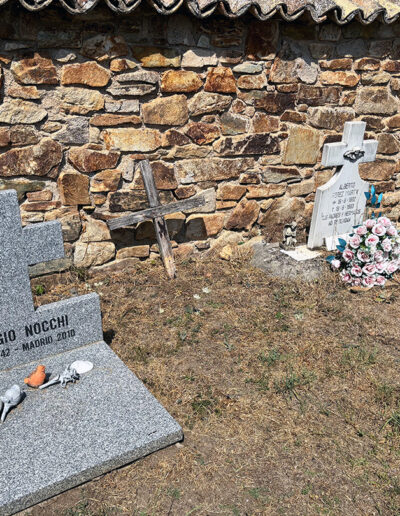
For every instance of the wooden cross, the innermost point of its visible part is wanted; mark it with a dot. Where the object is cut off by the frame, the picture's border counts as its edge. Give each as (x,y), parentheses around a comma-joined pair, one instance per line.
(156,212)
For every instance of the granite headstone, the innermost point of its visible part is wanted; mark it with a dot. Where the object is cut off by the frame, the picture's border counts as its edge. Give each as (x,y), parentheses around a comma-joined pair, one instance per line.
(58,438)
(340,203)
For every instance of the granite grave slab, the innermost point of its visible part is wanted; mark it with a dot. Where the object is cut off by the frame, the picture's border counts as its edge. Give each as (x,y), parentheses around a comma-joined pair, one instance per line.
(105,420)
(340,203)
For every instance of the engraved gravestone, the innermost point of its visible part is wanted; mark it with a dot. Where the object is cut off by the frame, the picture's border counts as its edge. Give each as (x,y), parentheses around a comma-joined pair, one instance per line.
(27,334)
(340,203)
(59,438)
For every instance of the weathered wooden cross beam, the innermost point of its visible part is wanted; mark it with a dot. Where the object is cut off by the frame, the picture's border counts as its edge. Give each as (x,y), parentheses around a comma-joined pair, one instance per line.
(156,213)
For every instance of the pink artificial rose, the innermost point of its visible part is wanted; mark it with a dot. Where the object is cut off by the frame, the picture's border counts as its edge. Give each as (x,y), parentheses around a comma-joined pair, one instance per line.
(379,230)
(381,267)
(345,277)
(391,231)
(380,280)
(378,256)
(355,241)
(386,245)
(348,255)
(372,241)
(369,269)
(335,264)
(370,223)
(368,281)
(363,256)
(361,230)
(356,271)
(356,282)
(391,267)
(385,221)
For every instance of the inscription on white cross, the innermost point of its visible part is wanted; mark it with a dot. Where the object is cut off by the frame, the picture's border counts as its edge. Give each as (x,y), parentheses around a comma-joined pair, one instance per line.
(340,203)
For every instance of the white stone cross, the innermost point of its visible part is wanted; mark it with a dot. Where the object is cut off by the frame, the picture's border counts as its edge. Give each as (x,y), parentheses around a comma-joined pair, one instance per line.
(340,203)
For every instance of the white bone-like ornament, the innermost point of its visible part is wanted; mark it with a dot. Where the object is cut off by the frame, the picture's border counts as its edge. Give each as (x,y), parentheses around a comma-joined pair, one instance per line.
(68,375)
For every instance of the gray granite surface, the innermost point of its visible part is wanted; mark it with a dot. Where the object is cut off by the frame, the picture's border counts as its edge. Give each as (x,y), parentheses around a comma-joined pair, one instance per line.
(59,438)
(51,329)
(27,334)
(21,247)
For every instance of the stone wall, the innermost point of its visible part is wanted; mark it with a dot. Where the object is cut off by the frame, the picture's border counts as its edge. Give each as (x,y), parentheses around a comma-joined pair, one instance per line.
(238,108)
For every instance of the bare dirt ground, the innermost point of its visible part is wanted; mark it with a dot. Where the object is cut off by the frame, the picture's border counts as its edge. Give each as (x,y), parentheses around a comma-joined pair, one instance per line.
(288,393)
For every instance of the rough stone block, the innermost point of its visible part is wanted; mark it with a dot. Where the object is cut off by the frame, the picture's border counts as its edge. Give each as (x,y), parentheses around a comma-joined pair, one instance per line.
(152,57)
(379,170)
(35,70)
(211,169)
(244,215)
(138,251)
(93,253)
(134,140)
(201,226)
(229,192)
(247,144)
(74,188)
(81,101)
(265,191)
(166,111)
(220,80)
(106,181)
(302,147)
(375,101)
(92,157)
(16,111)
(163,173)
(349,79)
(205,102)
(177,81)
(37,160)
(87,74)
(330,118)
(202,133)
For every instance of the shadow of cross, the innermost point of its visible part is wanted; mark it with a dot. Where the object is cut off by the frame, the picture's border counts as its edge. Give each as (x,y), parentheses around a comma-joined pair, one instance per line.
(156,212)
(340,203)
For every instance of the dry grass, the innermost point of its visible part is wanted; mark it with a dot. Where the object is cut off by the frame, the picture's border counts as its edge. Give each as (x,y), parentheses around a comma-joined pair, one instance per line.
(288,394)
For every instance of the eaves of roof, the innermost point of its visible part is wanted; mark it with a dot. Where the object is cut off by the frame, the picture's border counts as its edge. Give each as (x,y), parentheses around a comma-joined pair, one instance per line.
(342,11)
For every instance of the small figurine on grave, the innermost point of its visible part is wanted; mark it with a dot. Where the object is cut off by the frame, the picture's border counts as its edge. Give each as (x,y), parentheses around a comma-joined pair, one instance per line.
(289,236)
(37,377)
(10,399)
(68,375)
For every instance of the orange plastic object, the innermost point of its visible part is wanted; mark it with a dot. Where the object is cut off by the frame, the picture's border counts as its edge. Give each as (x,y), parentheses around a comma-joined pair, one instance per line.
(37,377)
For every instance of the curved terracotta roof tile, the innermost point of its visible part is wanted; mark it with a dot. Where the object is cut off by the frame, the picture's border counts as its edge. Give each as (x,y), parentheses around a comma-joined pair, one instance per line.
(342,10)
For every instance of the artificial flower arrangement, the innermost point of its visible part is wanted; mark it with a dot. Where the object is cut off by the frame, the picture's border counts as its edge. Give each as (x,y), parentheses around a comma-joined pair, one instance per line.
(371,254)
